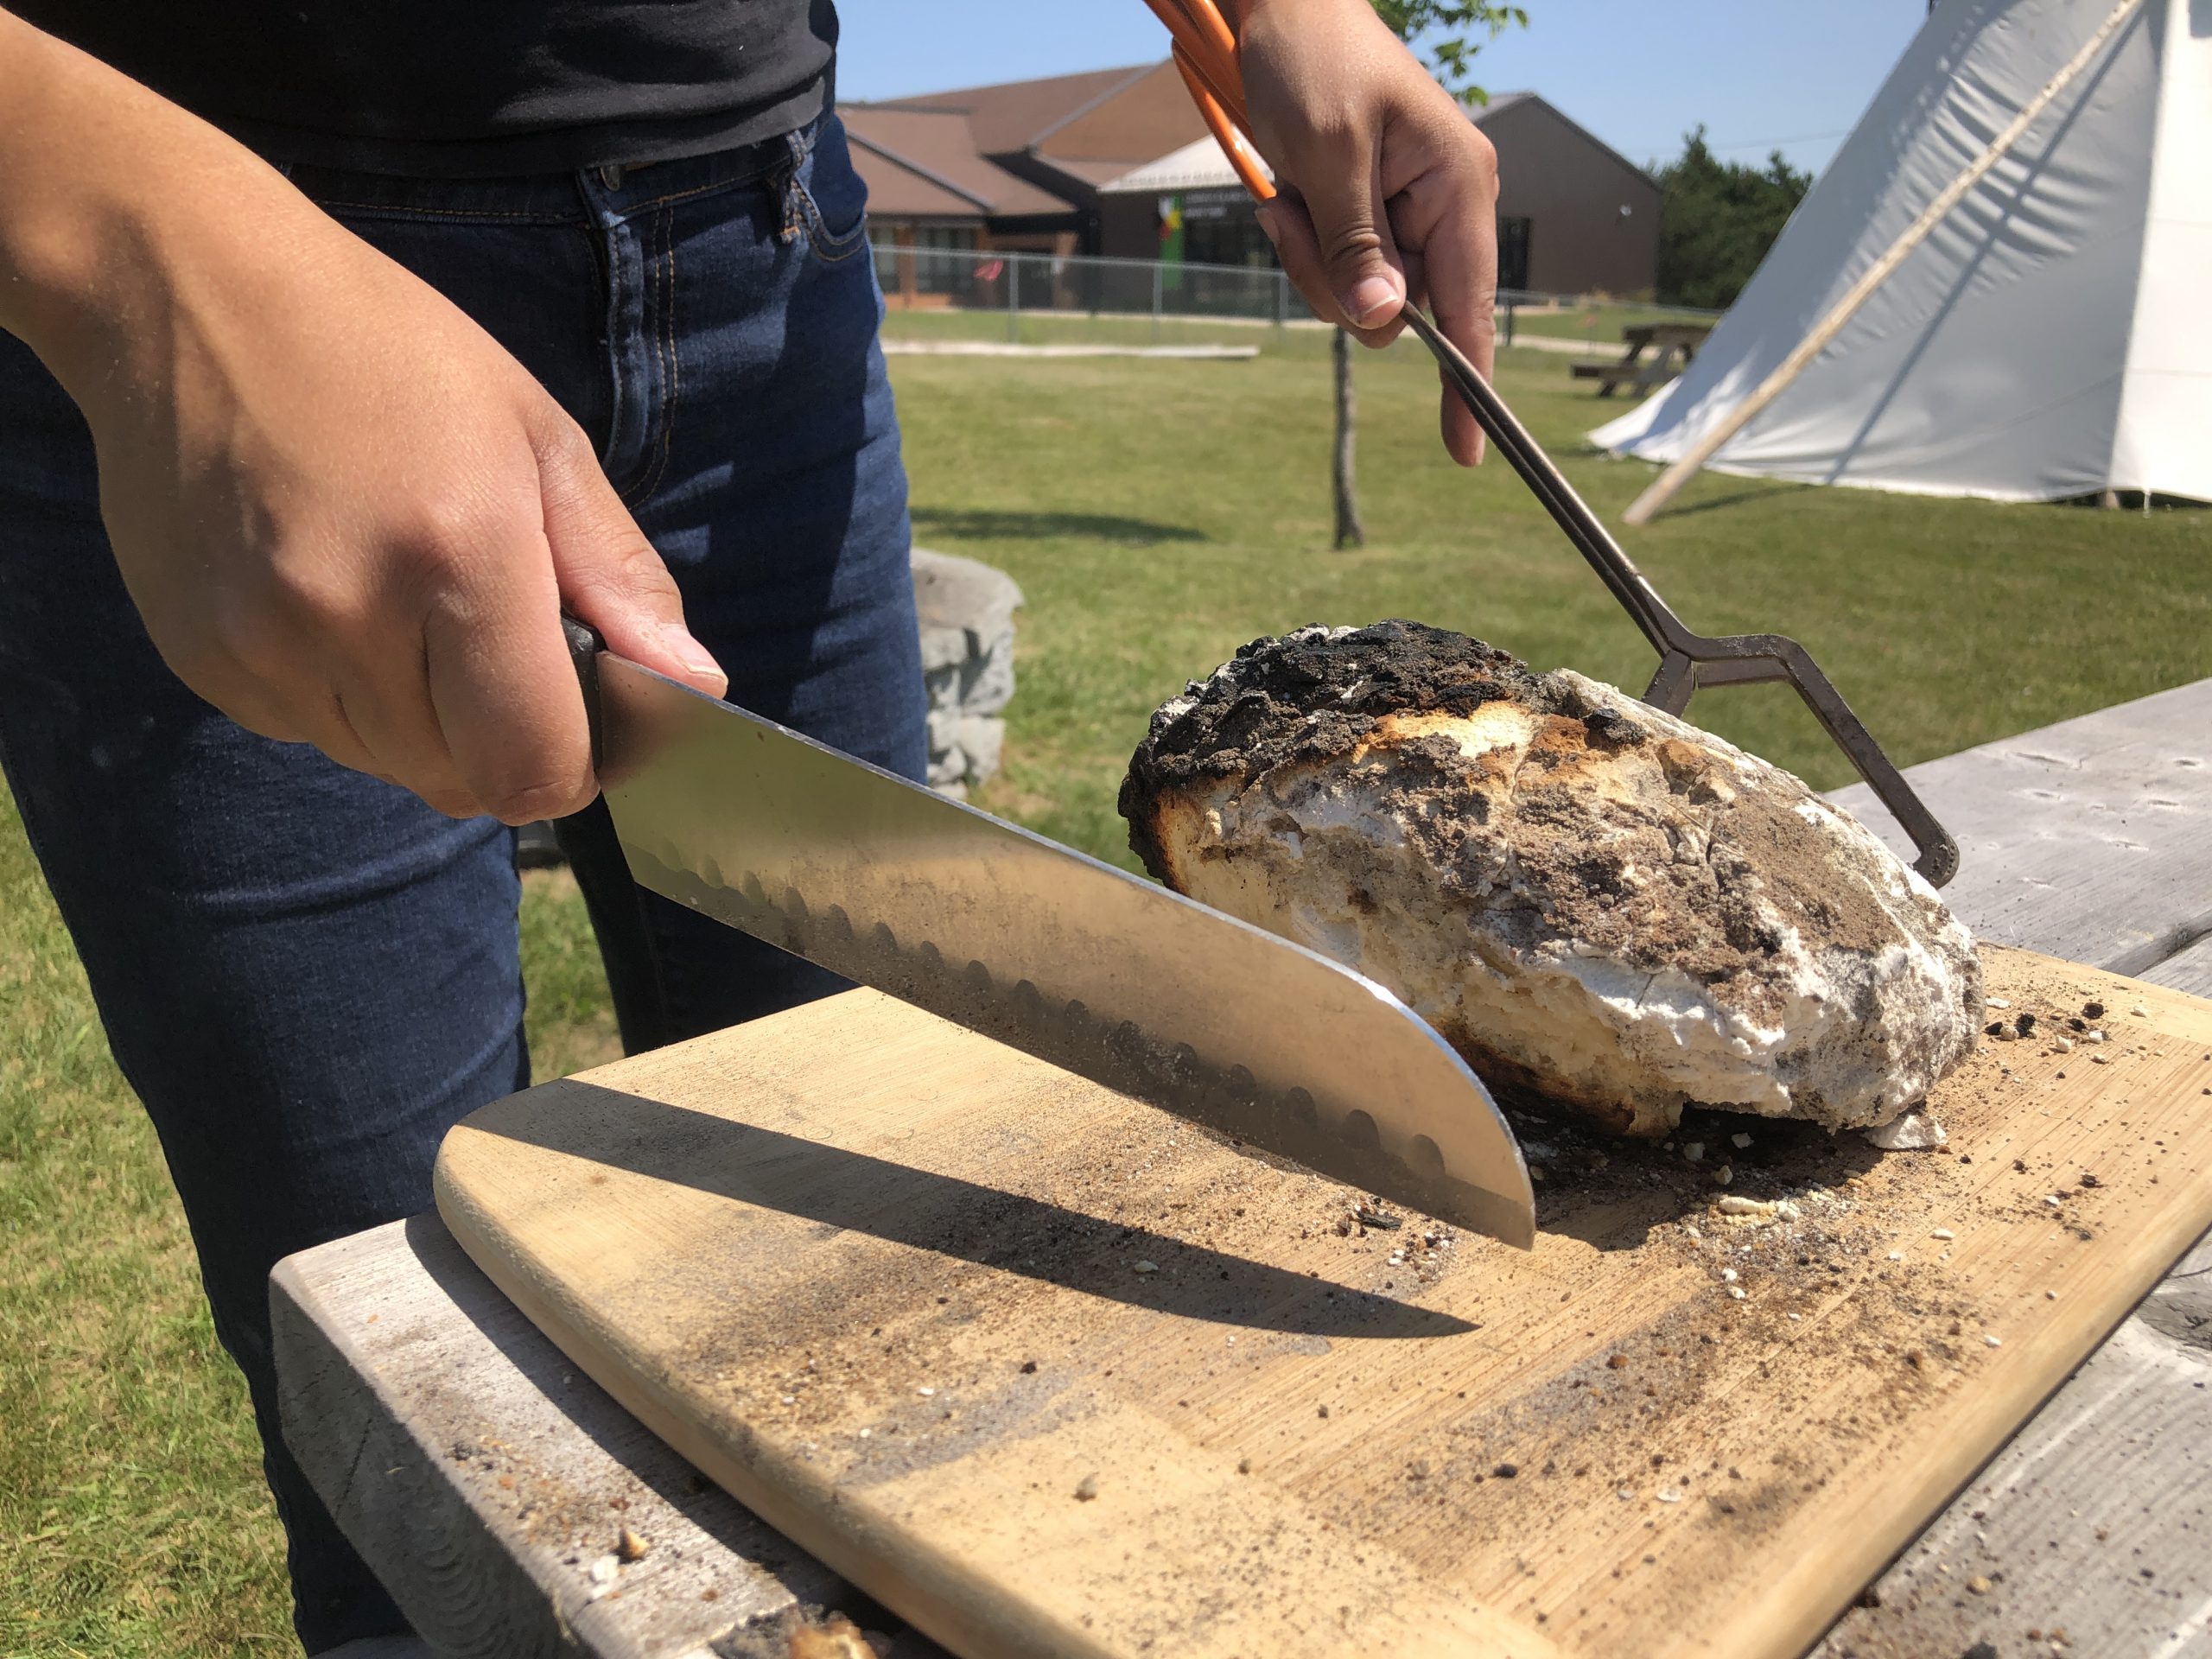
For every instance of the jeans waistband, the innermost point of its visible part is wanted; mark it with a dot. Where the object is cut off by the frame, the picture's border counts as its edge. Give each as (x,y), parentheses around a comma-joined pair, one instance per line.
(593,194)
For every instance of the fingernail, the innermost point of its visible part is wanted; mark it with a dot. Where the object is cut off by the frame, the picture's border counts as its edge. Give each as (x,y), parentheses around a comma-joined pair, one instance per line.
(1372,302)
(1266,218)
(693,655)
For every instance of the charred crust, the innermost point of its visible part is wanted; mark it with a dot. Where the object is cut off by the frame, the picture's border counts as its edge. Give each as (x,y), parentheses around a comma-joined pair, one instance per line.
(1313,695)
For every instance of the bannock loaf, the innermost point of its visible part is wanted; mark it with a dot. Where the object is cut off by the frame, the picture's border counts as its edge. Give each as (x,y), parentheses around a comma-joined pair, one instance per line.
(1589,900)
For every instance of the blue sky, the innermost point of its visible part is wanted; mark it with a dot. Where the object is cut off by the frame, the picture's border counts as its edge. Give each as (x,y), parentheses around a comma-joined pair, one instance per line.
(1761,74)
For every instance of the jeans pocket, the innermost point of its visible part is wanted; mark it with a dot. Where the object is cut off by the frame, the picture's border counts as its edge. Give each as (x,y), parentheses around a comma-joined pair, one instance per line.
(825,197)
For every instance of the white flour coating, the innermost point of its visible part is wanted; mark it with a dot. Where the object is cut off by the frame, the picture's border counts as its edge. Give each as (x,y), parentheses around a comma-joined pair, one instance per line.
(1626,925)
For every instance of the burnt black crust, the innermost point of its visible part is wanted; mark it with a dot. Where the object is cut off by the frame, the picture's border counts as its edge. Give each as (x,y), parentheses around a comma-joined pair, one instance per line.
(1311,696)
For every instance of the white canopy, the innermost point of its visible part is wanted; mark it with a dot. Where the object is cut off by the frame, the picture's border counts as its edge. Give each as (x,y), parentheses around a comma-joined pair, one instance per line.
(1200,165)
(2052,337)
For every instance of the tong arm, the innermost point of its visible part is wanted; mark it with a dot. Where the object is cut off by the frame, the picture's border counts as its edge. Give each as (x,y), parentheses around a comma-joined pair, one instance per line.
(1688,660)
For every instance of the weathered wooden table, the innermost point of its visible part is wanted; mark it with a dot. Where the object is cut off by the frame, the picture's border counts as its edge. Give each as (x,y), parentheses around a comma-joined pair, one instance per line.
(1665,340)
(491,1485)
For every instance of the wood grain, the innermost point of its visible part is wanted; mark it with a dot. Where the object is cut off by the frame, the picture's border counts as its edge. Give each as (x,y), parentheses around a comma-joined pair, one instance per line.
(885,1280)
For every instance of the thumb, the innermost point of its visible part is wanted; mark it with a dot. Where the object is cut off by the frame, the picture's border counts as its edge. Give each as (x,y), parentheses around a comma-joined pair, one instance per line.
(1360,258)
(608,574)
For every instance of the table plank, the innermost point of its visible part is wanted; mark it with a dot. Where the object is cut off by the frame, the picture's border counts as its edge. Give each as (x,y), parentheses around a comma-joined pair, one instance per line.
(482,1476)
(2090,839)
(2096,1521)
(2191,970)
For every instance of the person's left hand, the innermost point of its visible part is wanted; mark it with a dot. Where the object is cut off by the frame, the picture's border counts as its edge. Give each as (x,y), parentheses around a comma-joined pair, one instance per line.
(1388,191)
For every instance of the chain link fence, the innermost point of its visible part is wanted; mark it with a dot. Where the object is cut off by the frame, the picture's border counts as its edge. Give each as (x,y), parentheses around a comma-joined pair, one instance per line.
(966,294)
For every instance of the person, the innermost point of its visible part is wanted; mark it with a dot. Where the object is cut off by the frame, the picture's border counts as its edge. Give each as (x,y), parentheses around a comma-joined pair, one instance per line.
(345,345)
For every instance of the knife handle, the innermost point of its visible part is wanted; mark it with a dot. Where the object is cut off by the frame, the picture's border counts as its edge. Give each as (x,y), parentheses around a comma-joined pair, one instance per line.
(584,646)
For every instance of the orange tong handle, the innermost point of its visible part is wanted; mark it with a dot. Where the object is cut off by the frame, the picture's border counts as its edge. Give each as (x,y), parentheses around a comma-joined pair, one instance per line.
(1242,155)
(1205,56)
(1209,52)
(1206,16)
(1200,30)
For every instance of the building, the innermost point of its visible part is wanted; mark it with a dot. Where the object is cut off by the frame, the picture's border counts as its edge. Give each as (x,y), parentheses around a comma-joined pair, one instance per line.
(1015,168)
(1574,216)
(1117,162)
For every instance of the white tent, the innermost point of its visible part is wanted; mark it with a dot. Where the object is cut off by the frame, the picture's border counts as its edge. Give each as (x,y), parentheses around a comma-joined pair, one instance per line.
(2051,338)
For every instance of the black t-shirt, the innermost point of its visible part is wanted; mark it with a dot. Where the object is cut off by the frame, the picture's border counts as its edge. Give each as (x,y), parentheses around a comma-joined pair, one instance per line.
(470,87)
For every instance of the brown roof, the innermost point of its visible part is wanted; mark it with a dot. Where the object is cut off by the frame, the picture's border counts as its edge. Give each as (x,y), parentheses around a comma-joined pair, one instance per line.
(1024,149)
(924,164)
(1089,174)
(1140,120)
(1011,115)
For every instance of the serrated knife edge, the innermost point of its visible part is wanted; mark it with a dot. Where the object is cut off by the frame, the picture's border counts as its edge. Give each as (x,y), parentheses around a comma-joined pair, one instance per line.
(1050,950)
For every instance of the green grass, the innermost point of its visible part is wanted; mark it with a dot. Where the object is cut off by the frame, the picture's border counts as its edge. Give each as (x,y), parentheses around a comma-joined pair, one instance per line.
(130,1500)
(1601,323)
(1108,328)
(1600,326)
(133,1520)
(1157,514)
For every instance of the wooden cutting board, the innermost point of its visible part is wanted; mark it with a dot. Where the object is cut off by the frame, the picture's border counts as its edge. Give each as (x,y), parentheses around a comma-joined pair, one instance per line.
(1050,1373)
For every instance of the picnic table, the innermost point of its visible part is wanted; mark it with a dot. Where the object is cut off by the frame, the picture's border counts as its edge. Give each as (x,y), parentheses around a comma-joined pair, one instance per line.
(1665,340)
(484,1477)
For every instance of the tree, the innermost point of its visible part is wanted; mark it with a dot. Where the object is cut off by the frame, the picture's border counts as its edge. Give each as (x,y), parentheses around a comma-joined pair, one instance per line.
(1349,531)
(1447,30)
(1446,34)
(1716,220)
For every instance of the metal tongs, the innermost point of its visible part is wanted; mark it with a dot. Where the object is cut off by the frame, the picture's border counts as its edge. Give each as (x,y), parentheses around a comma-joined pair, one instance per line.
(1205,53)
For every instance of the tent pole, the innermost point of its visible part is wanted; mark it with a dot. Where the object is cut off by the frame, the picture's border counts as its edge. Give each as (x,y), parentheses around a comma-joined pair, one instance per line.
(1664,486)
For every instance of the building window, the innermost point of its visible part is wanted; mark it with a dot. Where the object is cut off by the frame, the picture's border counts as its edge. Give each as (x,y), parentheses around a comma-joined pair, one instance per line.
(944,258)
(1220,228)
(915,259)
(1513,255)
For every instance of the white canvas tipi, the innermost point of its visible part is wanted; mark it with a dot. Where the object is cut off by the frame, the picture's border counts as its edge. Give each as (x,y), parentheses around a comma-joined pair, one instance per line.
(2051,338)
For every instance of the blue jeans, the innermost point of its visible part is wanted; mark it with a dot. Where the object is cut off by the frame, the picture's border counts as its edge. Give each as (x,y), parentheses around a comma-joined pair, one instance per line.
(307,974)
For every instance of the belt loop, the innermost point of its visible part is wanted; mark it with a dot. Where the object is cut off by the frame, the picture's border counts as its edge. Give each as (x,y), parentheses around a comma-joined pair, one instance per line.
(591,189)
(788,187)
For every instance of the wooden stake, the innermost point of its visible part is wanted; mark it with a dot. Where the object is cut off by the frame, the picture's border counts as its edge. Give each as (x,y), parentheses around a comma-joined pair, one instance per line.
(1349,531)
(1664,488)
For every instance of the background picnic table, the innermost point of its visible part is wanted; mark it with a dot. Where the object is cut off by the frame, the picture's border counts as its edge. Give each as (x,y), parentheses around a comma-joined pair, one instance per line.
(1666,341)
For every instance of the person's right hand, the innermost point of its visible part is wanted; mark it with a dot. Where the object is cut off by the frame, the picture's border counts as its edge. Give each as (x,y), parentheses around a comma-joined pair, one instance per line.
(347,516)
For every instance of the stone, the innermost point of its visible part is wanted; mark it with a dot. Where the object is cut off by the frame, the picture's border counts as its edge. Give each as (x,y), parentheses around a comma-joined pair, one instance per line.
(987,679)
(981,739)
(1591,900)
(950,592)
(1912,1131)
(966,612)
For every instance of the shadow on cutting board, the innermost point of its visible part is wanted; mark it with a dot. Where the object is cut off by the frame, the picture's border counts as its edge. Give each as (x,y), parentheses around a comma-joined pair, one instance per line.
(851,1192)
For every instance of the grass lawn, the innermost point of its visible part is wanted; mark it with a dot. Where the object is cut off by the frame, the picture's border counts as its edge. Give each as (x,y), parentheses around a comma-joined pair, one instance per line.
(1597,326)
(1602,323)
(1157,514)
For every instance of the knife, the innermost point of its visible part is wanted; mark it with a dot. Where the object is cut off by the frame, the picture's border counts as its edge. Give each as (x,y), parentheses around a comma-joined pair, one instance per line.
(1045,948)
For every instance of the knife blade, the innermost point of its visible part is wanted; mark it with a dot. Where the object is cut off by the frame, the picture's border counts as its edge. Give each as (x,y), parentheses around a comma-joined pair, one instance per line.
(1045,948)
